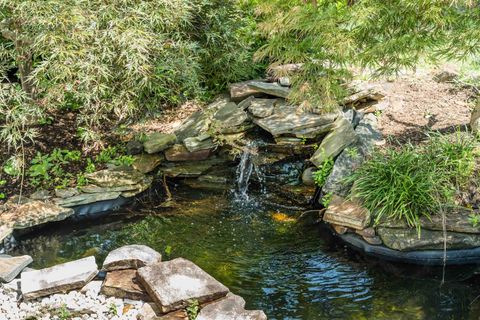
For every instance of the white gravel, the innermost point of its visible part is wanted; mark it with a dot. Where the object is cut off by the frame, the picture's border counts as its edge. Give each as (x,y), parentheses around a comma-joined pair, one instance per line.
(73,305)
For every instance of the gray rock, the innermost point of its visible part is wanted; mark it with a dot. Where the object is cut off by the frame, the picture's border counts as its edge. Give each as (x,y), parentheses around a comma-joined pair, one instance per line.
(140,187)
(262,108)
(93,287)
(347,213)
(202,142)
(272,89)
(242,90)
(40,195)
(156,142)
(307,176)
(173,283)
(179,152)
(10,267)
(115,177)
(232,307)
(286,120)
(86,198)
(123,284)
(409,239)
(475,119)
(34,213)
(131,257)
(134,147)
(66,193)
(244,104)
(314,132)
(195,125)
(146,163)
(5,232)
(368,136)
(229,119)
(60,278)
(445,76)
(335,142)
(284,81)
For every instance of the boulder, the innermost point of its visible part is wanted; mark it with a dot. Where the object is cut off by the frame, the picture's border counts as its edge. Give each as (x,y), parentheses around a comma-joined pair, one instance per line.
(115,177)
(286,120)
(368,136)
(307,176)
(347,213)
(174,283)
(60,278)
(157,141)
(201,142)
(262,108)
(341,136)
(10,267)
(242,90)
(124,284)
(130,257)
(273,89)
(409,239)
(179,152)
(231,307)
(86,198)
(34,213)
(284,81)
(146,163)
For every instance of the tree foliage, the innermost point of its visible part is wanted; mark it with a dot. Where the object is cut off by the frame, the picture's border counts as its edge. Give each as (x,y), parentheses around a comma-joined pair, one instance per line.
(330,38)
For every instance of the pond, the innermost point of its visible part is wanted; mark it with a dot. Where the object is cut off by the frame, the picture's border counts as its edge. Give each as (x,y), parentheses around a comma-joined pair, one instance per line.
(289,270)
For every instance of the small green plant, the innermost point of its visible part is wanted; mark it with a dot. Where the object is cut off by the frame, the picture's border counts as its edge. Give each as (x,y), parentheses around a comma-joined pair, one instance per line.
(474,219)
(352,152)
(90,167)
(112,309)
(327,199)
(320,176)
(63,312)
(12,167)
(2,194)
(168,250)
(43,121)
(81,180)
(123,161)
(107,155)
(192,309)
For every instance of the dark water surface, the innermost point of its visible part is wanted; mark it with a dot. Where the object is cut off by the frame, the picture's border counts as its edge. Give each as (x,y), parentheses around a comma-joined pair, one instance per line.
(288,270)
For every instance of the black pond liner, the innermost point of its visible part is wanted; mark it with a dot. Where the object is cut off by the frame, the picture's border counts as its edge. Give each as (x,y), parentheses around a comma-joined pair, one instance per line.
(419,257)
(98,208)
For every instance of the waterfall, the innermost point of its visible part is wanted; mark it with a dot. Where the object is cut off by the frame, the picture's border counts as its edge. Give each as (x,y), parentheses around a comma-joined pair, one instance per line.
(244,172)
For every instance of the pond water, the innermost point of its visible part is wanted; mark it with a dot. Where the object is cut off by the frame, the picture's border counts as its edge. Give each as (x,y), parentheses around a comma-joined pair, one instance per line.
(289,270)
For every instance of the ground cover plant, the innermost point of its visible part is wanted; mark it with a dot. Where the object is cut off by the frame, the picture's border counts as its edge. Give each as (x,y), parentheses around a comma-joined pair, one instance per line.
(411,182)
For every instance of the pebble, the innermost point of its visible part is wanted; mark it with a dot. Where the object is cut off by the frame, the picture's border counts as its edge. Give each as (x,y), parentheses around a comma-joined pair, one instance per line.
(78,305)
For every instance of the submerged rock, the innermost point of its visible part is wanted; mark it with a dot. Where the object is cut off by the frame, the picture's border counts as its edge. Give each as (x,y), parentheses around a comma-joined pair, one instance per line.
(156,142)
(59,278)
(231,307)
(347,213)
(124,284)
(368,136)
(409,239)
(146,163)
(335,142)
(34,213)
(173,284)
(10,267)
(130,257)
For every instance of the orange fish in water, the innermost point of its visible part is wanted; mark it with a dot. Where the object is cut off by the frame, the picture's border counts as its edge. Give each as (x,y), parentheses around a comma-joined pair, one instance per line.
(282,217)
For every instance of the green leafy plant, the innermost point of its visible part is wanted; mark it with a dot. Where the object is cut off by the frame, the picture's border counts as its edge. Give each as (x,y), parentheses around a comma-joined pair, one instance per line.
(326,199)
(2,194)
(192,309)
(12,167)
(112,309)
(411,182)
(321,175)
(123,161)
(474,219)
(63,312)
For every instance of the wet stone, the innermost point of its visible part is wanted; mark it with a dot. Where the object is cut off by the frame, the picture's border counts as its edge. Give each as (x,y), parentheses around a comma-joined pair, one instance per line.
(131,257)
(174,283)
(124,284)
(10,267)
(59,278)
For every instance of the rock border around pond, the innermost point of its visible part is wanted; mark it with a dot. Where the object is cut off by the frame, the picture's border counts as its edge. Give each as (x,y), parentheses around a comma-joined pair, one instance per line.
(172,285)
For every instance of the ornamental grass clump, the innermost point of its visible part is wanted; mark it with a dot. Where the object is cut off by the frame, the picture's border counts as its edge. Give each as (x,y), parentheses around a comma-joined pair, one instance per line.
(411,182)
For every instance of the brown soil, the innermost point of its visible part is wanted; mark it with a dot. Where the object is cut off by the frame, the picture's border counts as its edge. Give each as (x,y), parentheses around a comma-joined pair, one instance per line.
(416,104)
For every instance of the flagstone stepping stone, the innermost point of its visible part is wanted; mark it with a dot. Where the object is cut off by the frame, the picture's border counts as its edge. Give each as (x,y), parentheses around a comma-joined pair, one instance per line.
(10,267)
(157,141)
(123,284)
(60,278)
(347,213)
(131,257)
(232,308)
(174,283)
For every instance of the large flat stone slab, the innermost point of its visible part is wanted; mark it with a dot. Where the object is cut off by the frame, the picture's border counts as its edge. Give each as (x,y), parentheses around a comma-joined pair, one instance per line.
(157,141)
(86,198)
(273,89)
(242,90)
(115,177)
(179,153)
(131,257)
(34,213)
(124,284)
(60,278)
(347,213)
(10,267)
(232,308)
(146,163)
(173,283)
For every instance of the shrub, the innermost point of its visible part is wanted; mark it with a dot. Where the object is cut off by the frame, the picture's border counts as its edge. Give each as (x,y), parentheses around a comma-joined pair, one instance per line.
(412,182)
